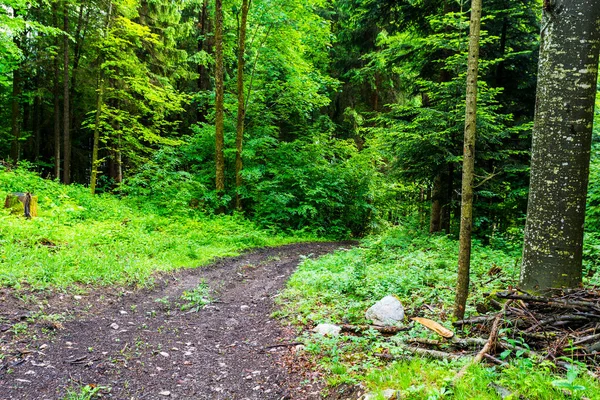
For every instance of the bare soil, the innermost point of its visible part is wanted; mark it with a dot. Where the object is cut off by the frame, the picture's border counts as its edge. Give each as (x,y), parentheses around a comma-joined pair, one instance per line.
(138,344)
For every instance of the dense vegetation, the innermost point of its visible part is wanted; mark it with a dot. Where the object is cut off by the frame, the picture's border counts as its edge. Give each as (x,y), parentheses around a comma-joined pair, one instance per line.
(82,239)
(340,119)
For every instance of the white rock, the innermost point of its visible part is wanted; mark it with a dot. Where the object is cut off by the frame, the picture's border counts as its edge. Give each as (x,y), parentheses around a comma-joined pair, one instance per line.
(165,393)
(327,329)
(386,312)
(244,307)
(388,394)
(123,312)
(114,326)
(164,354)
(77,297)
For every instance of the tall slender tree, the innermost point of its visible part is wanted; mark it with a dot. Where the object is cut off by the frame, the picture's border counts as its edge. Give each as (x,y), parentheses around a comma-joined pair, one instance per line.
(468,173)
(219,99)
(66,89)
(562,136)
(241,111)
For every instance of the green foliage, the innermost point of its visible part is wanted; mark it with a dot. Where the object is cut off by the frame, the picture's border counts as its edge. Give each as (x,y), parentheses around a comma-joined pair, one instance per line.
(82,239)
(196,298)
(420,270)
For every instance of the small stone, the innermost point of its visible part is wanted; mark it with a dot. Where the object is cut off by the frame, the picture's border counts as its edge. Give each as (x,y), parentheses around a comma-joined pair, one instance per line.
(23,380)
(123,312)
(244,307)
(77,297)
(164,354)
(386,312)
(174,349)
(69,344)
(327,329)
(30,372)
(114,325)
(165,393)
(388,394)
(187,353)
(44,346)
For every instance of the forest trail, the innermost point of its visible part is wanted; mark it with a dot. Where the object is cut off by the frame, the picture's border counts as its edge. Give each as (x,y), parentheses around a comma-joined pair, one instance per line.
(140,345)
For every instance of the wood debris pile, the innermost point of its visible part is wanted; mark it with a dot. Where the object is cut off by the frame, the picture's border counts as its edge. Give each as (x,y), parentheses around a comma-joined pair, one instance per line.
(562,325)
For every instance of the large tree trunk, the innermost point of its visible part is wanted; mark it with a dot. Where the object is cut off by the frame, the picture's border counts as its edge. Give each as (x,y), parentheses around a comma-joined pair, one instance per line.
(241,112)
(66,131)
(466,215)
(568,67)
(219,108)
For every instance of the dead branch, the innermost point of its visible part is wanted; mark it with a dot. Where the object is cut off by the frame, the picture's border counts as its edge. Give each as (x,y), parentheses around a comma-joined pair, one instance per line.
(386,330)
(491,342)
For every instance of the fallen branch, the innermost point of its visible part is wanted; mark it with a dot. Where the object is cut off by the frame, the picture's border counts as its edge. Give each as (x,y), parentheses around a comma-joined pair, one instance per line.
(549,301)
(386,330)
(439,355)
(491,342)
(473,321)
(273,346)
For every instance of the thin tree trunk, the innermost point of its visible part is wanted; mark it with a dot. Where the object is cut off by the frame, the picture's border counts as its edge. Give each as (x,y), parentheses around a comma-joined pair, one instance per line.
(241,112)
(436,205)
(466,215)
(15,113)
(96,142)
(66,131)
(561,145)
(56,100)
(219,108)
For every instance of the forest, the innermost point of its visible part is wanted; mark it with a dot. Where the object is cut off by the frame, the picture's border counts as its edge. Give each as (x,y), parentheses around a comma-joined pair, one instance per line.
(296,163)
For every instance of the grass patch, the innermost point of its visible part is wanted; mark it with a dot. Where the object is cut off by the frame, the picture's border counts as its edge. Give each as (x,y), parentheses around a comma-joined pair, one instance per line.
(84,239)
(420,269)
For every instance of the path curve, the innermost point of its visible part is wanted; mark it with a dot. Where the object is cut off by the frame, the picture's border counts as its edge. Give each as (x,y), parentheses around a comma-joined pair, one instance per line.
(141,346)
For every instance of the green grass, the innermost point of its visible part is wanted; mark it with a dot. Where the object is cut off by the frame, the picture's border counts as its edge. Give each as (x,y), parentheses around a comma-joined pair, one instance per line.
(420,269)
(84,239)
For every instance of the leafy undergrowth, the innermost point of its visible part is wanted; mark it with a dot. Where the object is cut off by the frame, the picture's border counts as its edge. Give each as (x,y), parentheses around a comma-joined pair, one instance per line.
(83,239)
(420,270)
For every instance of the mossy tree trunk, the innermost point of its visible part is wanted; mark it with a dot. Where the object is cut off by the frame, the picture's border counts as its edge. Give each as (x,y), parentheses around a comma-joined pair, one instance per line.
(468,173)
(562,134)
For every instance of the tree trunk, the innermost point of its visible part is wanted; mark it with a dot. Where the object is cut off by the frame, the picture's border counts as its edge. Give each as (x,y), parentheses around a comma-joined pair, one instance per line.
(241,112)
(219,108)
(56,101)
(562,133)
(66,132)
(15,113)
(436,205)
(468,173)
(203,45)
(96,140)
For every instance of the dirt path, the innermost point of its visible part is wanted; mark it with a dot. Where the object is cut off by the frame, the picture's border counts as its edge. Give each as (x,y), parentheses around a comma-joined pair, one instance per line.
(142,346)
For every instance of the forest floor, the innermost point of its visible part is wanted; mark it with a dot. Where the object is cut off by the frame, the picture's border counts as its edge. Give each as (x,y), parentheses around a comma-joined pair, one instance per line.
(139,344)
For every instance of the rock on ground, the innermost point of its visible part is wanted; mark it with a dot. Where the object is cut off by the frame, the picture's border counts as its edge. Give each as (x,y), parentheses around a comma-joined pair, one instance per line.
(386,312)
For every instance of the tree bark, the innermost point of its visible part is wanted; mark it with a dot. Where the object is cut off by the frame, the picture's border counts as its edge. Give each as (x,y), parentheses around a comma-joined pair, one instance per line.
(562,133)
(56,101)
(241,112)
(66,131)
(203,45)
(219,107)
(466,215)
(435,217)
(16,113)
(96,140)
